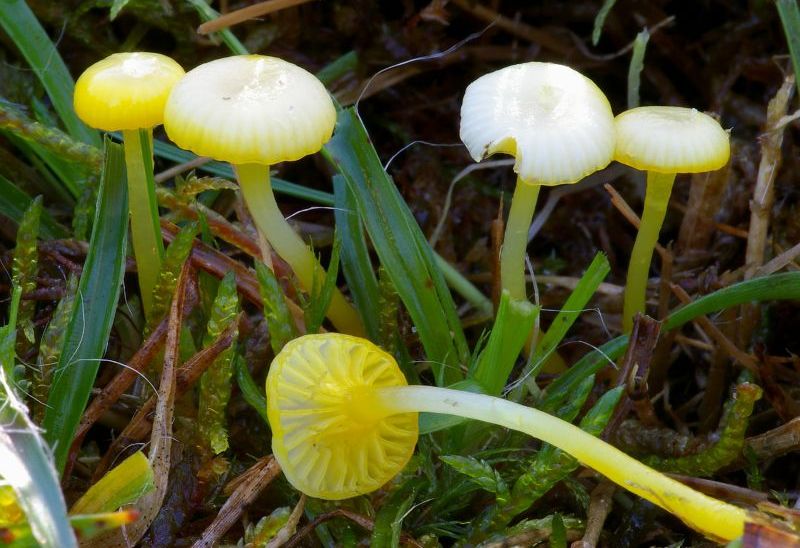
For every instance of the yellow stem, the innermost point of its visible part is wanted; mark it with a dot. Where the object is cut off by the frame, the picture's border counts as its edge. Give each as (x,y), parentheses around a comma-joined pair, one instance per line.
(257,192)
(712,517)
(148,246)
(515,240)
(656,198)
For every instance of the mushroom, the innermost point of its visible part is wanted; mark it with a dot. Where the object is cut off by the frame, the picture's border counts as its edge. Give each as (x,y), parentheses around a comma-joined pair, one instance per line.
(127,92)
(254,111)
(555,122)
(344,422)
(663,141)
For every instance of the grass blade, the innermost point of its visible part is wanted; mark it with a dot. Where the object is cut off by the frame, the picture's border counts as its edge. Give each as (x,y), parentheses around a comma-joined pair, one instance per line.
(87,333)
(401,248)
(251,393)
(24,29)
(790,17)
(511,329)
(769,288)
(636,66)
(572,309)
(600,20)
(389,519)
(122,485)
(14,203)
(320,296)
(24,462)
(356,263)
(207,13)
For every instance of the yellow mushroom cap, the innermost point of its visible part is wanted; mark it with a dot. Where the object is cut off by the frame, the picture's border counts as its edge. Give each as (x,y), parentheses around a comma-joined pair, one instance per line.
(555,121)
(250,109)
(671,140)
(126,91)
(331,436)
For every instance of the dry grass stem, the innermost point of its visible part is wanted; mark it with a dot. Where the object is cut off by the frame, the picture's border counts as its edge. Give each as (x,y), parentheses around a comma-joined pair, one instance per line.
(245,14)
(258,477)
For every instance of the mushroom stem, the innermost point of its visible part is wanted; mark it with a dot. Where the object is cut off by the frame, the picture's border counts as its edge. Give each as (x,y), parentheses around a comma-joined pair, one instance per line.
(515,240)
(707,515)
(148,247)
(257,192)
(659,188)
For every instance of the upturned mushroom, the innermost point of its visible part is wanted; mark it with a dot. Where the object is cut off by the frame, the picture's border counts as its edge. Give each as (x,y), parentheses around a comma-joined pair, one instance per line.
(556,123)
(127,92)
(344,422)
(254,111)
(663,141)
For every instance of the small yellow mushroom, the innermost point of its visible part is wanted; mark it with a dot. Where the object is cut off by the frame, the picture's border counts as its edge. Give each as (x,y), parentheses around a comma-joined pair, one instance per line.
(254,111)
(127,92)
(344,422)
(663,141)
(556,123)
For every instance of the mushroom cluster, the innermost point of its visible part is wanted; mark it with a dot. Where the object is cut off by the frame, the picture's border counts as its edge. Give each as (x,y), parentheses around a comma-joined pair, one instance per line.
(250,110)
(559,127)
(344,420)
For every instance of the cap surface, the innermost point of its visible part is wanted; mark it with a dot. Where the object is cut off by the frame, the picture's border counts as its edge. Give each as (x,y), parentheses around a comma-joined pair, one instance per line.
(671,140)
(552,119)
(250,109)
(126,91)
(330,437)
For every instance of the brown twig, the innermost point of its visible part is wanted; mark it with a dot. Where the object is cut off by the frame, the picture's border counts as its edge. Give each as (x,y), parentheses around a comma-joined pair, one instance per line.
(784,259)
(245,14)
(180,168)
(779,441)
(764,197)
(633,374)
(705,196)
(255,480)
(600,505)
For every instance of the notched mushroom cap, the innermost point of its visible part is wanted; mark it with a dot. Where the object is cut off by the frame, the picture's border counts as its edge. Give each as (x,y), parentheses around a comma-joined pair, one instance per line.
(250,109)
(671,140)
(553,120)
(331,436)
(126,91)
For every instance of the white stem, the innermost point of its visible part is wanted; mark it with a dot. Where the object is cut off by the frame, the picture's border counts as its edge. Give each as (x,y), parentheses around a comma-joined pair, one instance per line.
(712,517)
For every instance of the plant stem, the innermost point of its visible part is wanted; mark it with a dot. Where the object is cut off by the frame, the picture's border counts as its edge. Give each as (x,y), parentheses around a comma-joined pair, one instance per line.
(148,247)
(515,240)
(711,517)
(257,193)
(463,286)
(659,188)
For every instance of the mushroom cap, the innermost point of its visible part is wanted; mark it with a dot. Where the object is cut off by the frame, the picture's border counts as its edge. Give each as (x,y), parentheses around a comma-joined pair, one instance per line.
(250,109)
(671,140)
(552,119)
(331,436)
(126,91)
